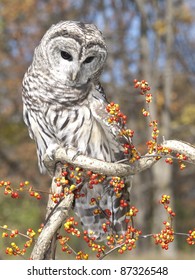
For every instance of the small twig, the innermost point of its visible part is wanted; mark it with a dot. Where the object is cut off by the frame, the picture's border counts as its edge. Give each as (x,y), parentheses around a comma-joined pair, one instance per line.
(19,233)
(164,156)
(182,233)
(110,251)
(152,234)
(75,253)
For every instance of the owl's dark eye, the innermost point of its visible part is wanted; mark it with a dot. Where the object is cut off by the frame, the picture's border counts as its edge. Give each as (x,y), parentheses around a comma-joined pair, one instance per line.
(66,56)
(88,59)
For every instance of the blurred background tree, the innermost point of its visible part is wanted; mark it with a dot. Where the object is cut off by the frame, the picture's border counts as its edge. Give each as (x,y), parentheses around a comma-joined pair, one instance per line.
(147,39)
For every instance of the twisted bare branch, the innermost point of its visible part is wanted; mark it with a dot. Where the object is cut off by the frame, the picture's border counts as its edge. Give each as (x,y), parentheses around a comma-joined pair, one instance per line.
(58,213)
(117,169)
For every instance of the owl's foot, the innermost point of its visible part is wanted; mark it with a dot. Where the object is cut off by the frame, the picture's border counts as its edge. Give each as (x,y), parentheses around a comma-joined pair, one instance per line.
(77,151)
(51,150)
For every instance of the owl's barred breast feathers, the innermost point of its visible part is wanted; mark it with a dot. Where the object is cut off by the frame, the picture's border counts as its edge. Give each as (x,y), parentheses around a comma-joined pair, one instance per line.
(64,105)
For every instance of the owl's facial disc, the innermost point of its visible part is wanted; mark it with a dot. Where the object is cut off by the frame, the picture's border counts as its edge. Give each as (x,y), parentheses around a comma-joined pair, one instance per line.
(74,63)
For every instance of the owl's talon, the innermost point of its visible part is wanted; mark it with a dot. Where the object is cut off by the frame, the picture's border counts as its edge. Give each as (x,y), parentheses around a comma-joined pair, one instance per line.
(51,150)
(78,153)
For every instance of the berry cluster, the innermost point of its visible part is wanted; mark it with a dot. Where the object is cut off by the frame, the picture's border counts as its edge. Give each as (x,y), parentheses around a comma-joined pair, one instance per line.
(68,182)
(144,89)
(143,85)
(145,112)
(64,245)
(31,233)
(191,238)
(116,116)
(14,192)
(165,200)
(129,239)
(71,180)
(135,155)
(106,226)
(158,149)
(69,227)
(98,248)
(118,185)
(124,242)
(161,151)
(132,212)
(126,132)
(55,197)
(131,152)
(155,130)
(94,179)
(14,249)
(13,233)
(82,256)
(181,158)
(165,237)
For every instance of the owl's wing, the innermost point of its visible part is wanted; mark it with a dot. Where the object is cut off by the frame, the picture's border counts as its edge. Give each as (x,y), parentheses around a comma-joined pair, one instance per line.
(39,132)
(27,121)
(100,89)
(112,130)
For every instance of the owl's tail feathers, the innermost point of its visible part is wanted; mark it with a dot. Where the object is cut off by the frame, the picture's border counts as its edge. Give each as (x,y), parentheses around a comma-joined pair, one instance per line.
(100,212)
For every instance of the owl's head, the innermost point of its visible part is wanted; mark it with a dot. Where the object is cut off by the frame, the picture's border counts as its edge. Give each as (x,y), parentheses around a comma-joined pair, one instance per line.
(73,53)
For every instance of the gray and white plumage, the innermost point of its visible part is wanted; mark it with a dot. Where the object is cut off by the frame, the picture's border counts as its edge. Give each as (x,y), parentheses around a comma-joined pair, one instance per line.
(63,104)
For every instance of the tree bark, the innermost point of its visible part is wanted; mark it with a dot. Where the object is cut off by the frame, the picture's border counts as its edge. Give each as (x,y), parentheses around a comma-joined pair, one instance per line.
(54,222)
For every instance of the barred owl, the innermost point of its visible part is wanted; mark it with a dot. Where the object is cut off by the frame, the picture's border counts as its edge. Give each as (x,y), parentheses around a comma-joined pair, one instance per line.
(64,104)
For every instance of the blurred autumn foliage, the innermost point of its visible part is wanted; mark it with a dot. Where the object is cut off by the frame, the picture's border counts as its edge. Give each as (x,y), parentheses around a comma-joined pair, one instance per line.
(149,39)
